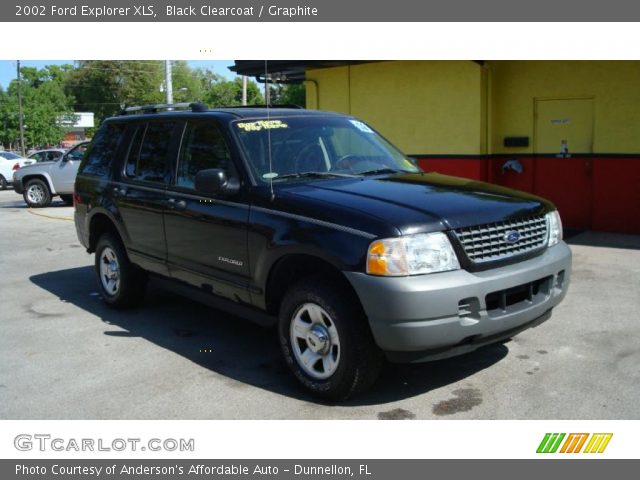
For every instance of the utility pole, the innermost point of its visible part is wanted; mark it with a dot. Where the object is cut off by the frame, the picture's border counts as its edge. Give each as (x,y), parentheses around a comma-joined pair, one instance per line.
(20,114)
(267,91)
(244,90)
(167,81)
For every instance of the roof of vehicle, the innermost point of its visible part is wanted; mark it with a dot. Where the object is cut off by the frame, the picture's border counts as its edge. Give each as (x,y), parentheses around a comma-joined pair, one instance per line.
(238,112)
(62,150)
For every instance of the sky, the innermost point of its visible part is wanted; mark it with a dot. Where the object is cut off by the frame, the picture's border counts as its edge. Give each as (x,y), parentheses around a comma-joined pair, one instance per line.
(8,67)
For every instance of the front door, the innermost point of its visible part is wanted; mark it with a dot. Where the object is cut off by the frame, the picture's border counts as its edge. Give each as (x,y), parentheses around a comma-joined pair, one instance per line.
(206,236)
(67,168)
(564,134)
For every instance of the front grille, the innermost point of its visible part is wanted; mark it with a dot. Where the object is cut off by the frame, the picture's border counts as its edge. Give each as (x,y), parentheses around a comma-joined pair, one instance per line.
(487,243)
(503,299)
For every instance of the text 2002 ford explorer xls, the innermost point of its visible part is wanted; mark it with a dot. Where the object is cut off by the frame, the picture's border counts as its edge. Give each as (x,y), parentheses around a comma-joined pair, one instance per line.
(314,222)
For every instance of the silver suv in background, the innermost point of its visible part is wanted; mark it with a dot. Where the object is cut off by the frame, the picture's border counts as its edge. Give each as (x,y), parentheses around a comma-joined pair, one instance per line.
(40,182)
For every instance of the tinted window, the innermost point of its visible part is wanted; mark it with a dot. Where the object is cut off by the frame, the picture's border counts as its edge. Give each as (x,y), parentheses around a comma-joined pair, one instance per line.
(279,148)
(9,155)
(203,147)
(147,159)
(103,149)
(134,151)
(75,153)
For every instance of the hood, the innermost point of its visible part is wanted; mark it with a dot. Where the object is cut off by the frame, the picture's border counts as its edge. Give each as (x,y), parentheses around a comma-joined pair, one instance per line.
(419,202)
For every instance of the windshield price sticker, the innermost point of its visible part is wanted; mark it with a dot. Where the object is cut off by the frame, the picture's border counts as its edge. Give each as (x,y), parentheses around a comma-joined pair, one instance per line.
(363,127)
(261,125)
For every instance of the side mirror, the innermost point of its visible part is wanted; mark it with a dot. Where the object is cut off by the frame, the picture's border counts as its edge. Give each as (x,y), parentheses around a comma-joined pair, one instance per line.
(214,181)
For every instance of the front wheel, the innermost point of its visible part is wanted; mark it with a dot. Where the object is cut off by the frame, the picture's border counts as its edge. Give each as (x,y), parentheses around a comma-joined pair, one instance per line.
(36,193)
(121,283)
(326,341)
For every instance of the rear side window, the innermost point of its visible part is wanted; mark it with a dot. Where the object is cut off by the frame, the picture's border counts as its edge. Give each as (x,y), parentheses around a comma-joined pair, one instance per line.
(147,160)
(203,147)
(103,149)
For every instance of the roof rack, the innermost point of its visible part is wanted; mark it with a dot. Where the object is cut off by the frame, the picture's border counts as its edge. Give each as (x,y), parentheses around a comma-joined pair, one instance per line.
(155,108)
(283,105)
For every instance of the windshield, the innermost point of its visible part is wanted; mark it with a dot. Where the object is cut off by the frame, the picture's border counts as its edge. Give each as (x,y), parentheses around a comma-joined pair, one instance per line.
(322,146)
(9,155)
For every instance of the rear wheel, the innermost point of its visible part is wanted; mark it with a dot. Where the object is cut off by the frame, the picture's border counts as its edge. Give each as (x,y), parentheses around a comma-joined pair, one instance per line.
(121,283)
(36,193)
(326,341)
(3,183)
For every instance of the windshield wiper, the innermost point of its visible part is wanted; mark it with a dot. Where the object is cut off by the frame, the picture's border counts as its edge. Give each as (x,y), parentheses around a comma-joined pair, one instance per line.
(376,171)
(313,175)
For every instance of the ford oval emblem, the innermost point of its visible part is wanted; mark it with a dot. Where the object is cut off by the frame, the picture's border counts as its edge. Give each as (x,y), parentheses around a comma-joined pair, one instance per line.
(511,236)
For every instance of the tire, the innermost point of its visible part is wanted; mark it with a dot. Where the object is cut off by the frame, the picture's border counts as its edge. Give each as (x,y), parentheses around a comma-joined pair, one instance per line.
(3,183)
(121,283)
(332,335)
(68,199)
(36,193)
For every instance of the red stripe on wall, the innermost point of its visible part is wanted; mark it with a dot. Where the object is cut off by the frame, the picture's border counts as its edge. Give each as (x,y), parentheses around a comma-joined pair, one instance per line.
(600,193)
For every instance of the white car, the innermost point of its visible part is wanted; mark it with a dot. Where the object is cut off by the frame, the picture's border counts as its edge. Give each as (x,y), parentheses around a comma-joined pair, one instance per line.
(9,163)
(40,182)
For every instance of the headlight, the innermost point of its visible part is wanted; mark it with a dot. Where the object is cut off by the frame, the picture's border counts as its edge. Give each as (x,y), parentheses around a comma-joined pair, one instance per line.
(411,255)
(554,224)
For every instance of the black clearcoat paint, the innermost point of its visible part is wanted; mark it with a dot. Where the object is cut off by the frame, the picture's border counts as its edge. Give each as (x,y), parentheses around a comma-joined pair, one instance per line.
(228,246)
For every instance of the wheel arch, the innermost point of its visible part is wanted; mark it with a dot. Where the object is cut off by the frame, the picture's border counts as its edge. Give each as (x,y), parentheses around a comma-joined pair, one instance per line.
(99,223)
(41,176)
(294,267)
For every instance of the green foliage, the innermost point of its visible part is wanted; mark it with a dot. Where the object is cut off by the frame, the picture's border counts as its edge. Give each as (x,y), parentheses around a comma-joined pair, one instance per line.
(44,104)
(288,94)
(228,93)
(104,87)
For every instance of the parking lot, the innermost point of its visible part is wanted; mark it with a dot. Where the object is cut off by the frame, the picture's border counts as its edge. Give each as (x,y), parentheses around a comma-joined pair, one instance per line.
(65,355)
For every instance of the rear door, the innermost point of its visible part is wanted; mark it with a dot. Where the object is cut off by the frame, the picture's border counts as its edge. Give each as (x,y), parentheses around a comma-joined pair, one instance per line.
(207,235)
(140,195)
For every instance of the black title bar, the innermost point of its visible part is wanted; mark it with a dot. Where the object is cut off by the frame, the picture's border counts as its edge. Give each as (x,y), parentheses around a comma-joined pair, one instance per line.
(321,11)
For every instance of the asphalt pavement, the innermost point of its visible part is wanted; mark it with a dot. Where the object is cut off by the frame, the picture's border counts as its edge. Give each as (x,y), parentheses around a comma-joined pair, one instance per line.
(65,355)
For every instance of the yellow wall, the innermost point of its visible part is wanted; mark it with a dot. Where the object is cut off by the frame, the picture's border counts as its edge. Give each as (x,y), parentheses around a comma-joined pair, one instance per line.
(460,107)
(613,85)
(424,107)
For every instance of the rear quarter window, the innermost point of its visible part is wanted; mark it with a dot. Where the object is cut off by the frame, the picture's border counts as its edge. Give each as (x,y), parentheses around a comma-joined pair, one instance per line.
(102,150)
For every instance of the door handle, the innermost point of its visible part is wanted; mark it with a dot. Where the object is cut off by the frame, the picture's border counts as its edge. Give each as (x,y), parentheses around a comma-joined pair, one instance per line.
(117,192)
(176,204)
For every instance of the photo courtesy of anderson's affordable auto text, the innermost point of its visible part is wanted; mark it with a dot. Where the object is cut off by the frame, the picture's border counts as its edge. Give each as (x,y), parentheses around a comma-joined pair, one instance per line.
(418,251)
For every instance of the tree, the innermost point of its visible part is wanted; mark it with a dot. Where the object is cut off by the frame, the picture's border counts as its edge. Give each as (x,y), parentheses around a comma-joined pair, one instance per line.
(187,83)
(105,86)
(288,94)
(219,92)
(45,106)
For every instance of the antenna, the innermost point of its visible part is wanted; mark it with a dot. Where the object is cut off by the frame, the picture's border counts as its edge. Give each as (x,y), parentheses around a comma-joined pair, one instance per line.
(266,100)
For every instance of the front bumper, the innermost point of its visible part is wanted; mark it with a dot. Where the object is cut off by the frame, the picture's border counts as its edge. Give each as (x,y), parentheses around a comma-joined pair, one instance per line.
(428,317)
(17,185)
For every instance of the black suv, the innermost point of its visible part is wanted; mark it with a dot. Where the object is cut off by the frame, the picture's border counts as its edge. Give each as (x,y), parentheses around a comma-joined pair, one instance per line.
(313,222)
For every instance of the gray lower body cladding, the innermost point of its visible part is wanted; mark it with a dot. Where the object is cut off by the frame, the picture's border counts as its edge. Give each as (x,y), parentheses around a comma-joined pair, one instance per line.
(429,317)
